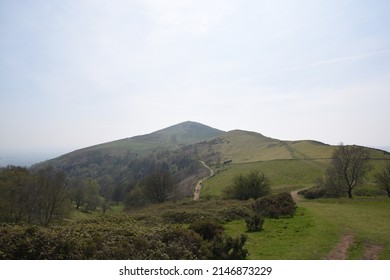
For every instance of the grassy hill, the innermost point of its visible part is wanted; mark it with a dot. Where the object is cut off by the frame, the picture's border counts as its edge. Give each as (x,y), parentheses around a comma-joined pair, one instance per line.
(288,164)
(241,146)
(125,150)
(168,138)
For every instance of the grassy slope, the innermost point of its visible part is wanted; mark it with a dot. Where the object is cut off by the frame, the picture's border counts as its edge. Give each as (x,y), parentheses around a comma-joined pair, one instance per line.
(282,173)
(168,138)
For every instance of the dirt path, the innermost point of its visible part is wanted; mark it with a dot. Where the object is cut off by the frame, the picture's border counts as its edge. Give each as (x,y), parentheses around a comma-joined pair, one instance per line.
(340,252)
(198,186)
(372,251)
(295,196)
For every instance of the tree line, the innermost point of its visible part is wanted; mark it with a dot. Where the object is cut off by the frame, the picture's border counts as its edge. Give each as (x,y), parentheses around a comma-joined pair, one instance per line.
(41,196)
(33,197)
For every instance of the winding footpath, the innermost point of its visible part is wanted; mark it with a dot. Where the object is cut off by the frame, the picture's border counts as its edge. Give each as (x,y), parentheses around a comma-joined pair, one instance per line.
(200,182)
(340,250)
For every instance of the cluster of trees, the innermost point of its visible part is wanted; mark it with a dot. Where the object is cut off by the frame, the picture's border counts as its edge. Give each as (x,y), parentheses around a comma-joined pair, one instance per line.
(122,178)
(33,197)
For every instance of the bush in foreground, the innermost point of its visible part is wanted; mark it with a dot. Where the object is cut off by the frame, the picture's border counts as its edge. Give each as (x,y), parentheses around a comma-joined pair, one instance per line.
(275,206)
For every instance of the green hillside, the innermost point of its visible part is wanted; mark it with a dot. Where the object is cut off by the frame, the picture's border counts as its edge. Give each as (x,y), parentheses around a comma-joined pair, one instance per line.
(240,146)
(288,164)
(168,138)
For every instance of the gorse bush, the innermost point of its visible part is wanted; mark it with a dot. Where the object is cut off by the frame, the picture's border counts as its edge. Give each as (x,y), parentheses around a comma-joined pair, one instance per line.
(208,230)
(219,245)
(275,206)
(313,193)
(117,238)
(254,222)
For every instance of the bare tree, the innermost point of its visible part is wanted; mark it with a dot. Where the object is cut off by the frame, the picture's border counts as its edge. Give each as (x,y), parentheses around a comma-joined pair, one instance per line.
(349,164)
(383,178)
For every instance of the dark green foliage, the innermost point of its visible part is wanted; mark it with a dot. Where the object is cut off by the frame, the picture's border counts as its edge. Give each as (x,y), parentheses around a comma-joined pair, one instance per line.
(207,229)
(275,206)
(117,173)
(229,248)
(220,246)
(383,178)
(37,197)
(232,213)
(254,222)
(252,185)
(370,191)
(313,193)
(118,238)
(183,216)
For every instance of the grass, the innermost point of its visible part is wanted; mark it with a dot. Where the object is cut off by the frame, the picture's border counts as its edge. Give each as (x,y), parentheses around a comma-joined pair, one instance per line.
(317,227)
(282,174)
(78,215)
(304,236)
(368,219)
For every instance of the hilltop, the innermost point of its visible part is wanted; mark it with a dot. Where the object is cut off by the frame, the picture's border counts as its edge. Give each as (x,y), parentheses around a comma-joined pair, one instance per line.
(179,149)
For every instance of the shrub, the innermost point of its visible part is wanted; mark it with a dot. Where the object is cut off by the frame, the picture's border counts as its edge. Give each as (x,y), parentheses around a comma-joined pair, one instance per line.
(233,213)
(207,229)
(255,222)
(220,246)
(275,206)
(252,185)
(313,193)
(229,248)
(183,217)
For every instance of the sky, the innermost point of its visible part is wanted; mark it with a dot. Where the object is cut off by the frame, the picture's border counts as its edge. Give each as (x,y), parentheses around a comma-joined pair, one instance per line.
(82,72)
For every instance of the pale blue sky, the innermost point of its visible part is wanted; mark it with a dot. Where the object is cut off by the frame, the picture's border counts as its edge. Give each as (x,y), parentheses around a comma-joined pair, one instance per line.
(78,73)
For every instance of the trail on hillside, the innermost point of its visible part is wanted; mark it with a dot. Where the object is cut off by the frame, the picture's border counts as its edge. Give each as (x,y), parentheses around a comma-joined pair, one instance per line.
(340,251)
(198,186)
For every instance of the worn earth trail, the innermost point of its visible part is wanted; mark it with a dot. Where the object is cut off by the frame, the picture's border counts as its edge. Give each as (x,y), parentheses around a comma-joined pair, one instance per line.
(199,184)
(340,251)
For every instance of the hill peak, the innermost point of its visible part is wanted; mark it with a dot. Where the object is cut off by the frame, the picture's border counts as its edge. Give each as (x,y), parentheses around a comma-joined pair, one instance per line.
(184,133)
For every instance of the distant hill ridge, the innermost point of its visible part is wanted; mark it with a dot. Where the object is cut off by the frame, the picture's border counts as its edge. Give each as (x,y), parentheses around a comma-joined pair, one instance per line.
(238,146)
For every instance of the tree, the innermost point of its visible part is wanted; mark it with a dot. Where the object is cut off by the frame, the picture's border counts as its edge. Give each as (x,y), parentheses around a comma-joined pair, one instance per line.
(383,178)
(349,165)
(50,195)
(252,185)
(78,193)
(159,186)
(14,181)
(92,194)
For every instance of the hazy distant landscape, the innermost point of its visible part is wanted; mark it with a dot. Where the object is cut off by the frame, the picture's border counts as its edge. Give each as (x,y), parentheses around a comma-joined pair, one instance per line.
(25,159)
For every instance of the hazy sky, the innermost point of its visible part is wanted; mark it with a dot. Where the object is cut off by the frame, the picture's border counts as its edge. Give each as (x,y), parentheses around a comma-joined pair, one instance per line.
(78,73)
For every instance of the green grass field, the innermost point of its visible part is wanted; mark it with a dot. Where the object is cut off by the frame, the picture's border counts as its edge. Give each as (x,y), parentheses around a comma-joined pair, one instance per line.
(318,226)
